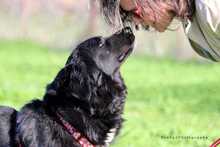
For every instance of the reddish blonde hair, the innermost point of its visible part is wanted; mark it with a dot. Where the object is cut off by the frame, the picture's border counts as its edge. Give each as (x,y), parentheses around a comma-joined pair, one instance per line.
(182,9)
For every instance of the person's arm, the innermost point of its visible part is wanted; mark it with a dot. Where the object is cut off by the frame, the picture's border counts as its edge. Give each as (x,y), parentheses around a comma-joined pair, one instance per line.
(204,30)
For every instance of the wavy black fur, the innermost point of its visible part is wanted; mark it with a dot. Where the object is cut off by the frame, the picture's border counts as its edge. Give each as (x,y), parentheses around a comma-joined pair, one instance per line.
(89,99)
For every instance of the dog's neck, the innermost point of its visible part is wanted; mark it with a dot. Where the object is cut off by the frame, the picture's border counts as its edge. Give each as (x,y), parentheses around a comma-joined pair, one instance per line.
(98,116)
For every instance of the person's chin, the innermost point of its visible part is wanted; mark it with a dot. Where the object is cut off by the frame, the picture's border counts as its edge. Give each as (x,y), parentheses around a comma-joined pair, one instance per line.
(160,27)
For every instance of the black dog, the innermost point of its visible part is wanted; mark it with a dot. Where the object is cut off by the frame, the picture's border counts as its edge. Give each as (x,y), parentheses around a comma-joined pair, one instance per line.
(83,105)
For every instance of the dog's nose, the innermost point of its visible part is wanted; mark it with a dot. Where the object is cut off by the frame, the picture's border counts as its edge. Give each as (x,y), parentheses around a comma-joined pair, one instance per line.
(127,32)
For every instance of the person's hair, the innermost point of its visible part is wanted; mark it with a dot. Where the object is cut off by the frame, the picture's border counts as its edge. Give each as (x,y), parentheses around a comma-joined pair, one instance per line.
(111,11)
(184,9)
(116,16)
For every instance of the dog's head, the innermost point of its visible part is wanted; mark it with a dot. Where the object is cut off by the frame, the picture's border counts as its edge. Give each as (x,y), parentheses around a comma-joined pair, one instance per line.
(107,53)
(90,83)
(91,71)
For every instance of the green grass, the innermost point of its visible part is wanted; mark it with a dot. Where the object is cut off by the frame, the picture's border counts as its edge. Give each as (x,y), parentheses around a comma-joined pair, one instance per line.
(164,97)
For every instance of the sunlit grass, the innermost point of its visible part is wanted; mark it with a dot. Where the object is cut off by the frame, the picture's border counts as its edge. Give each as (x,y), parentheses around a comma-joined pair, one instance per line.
(165,97)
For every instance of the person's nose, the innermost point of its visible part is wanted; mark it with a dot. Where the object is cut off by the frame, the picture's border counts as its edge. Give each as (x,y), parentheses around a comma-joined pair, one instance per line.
(128,5)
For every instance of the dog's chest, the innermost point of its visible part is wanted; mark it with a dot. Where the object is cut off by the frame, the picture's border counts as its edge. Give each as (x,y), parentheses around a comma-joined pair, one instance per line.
(110,136)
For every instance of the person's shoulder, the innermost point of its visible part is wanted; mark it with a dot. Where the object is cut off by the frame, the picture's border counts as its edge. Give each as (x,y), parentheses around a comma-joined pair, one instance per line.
(207,13)
(204,29)
(208,2)
(208,6)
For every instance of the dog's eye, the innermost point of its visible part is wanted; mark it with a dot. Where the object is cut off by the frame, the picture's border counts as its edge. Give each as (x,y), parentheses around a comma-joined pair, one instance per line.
(107,43)
(102,42)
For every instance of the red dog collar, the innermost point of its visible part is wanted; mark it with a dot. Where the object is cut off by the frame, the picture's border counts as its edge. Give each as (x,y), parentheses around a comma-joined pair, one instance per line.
(83,141)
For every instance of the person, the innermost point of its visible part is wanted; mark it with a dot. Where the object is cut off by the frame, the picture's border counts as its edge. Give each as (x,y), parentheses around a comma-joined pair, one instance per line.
(200,19)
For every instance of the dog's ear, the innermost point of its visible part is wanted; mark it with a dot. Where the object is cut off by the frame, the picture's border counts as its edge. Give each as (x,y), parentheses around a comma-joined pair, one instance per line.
(53,88)
(51,91)
(74,57)
(72,81)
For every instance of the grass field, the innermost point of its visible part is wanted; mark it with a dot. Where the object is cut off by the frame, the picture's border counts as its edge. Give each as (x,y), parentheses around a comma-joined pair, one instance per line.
(165,97)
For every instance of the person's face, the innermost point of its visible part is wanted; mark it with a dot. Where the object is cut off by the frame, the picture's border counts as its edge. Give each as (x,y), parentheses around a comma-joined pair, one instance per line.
(156,14)
(131,5)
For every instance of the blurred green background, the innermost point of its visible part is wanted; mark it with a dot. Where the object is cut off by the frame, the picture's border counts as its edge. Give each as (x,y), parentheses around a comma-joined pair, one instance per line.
(171,91)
